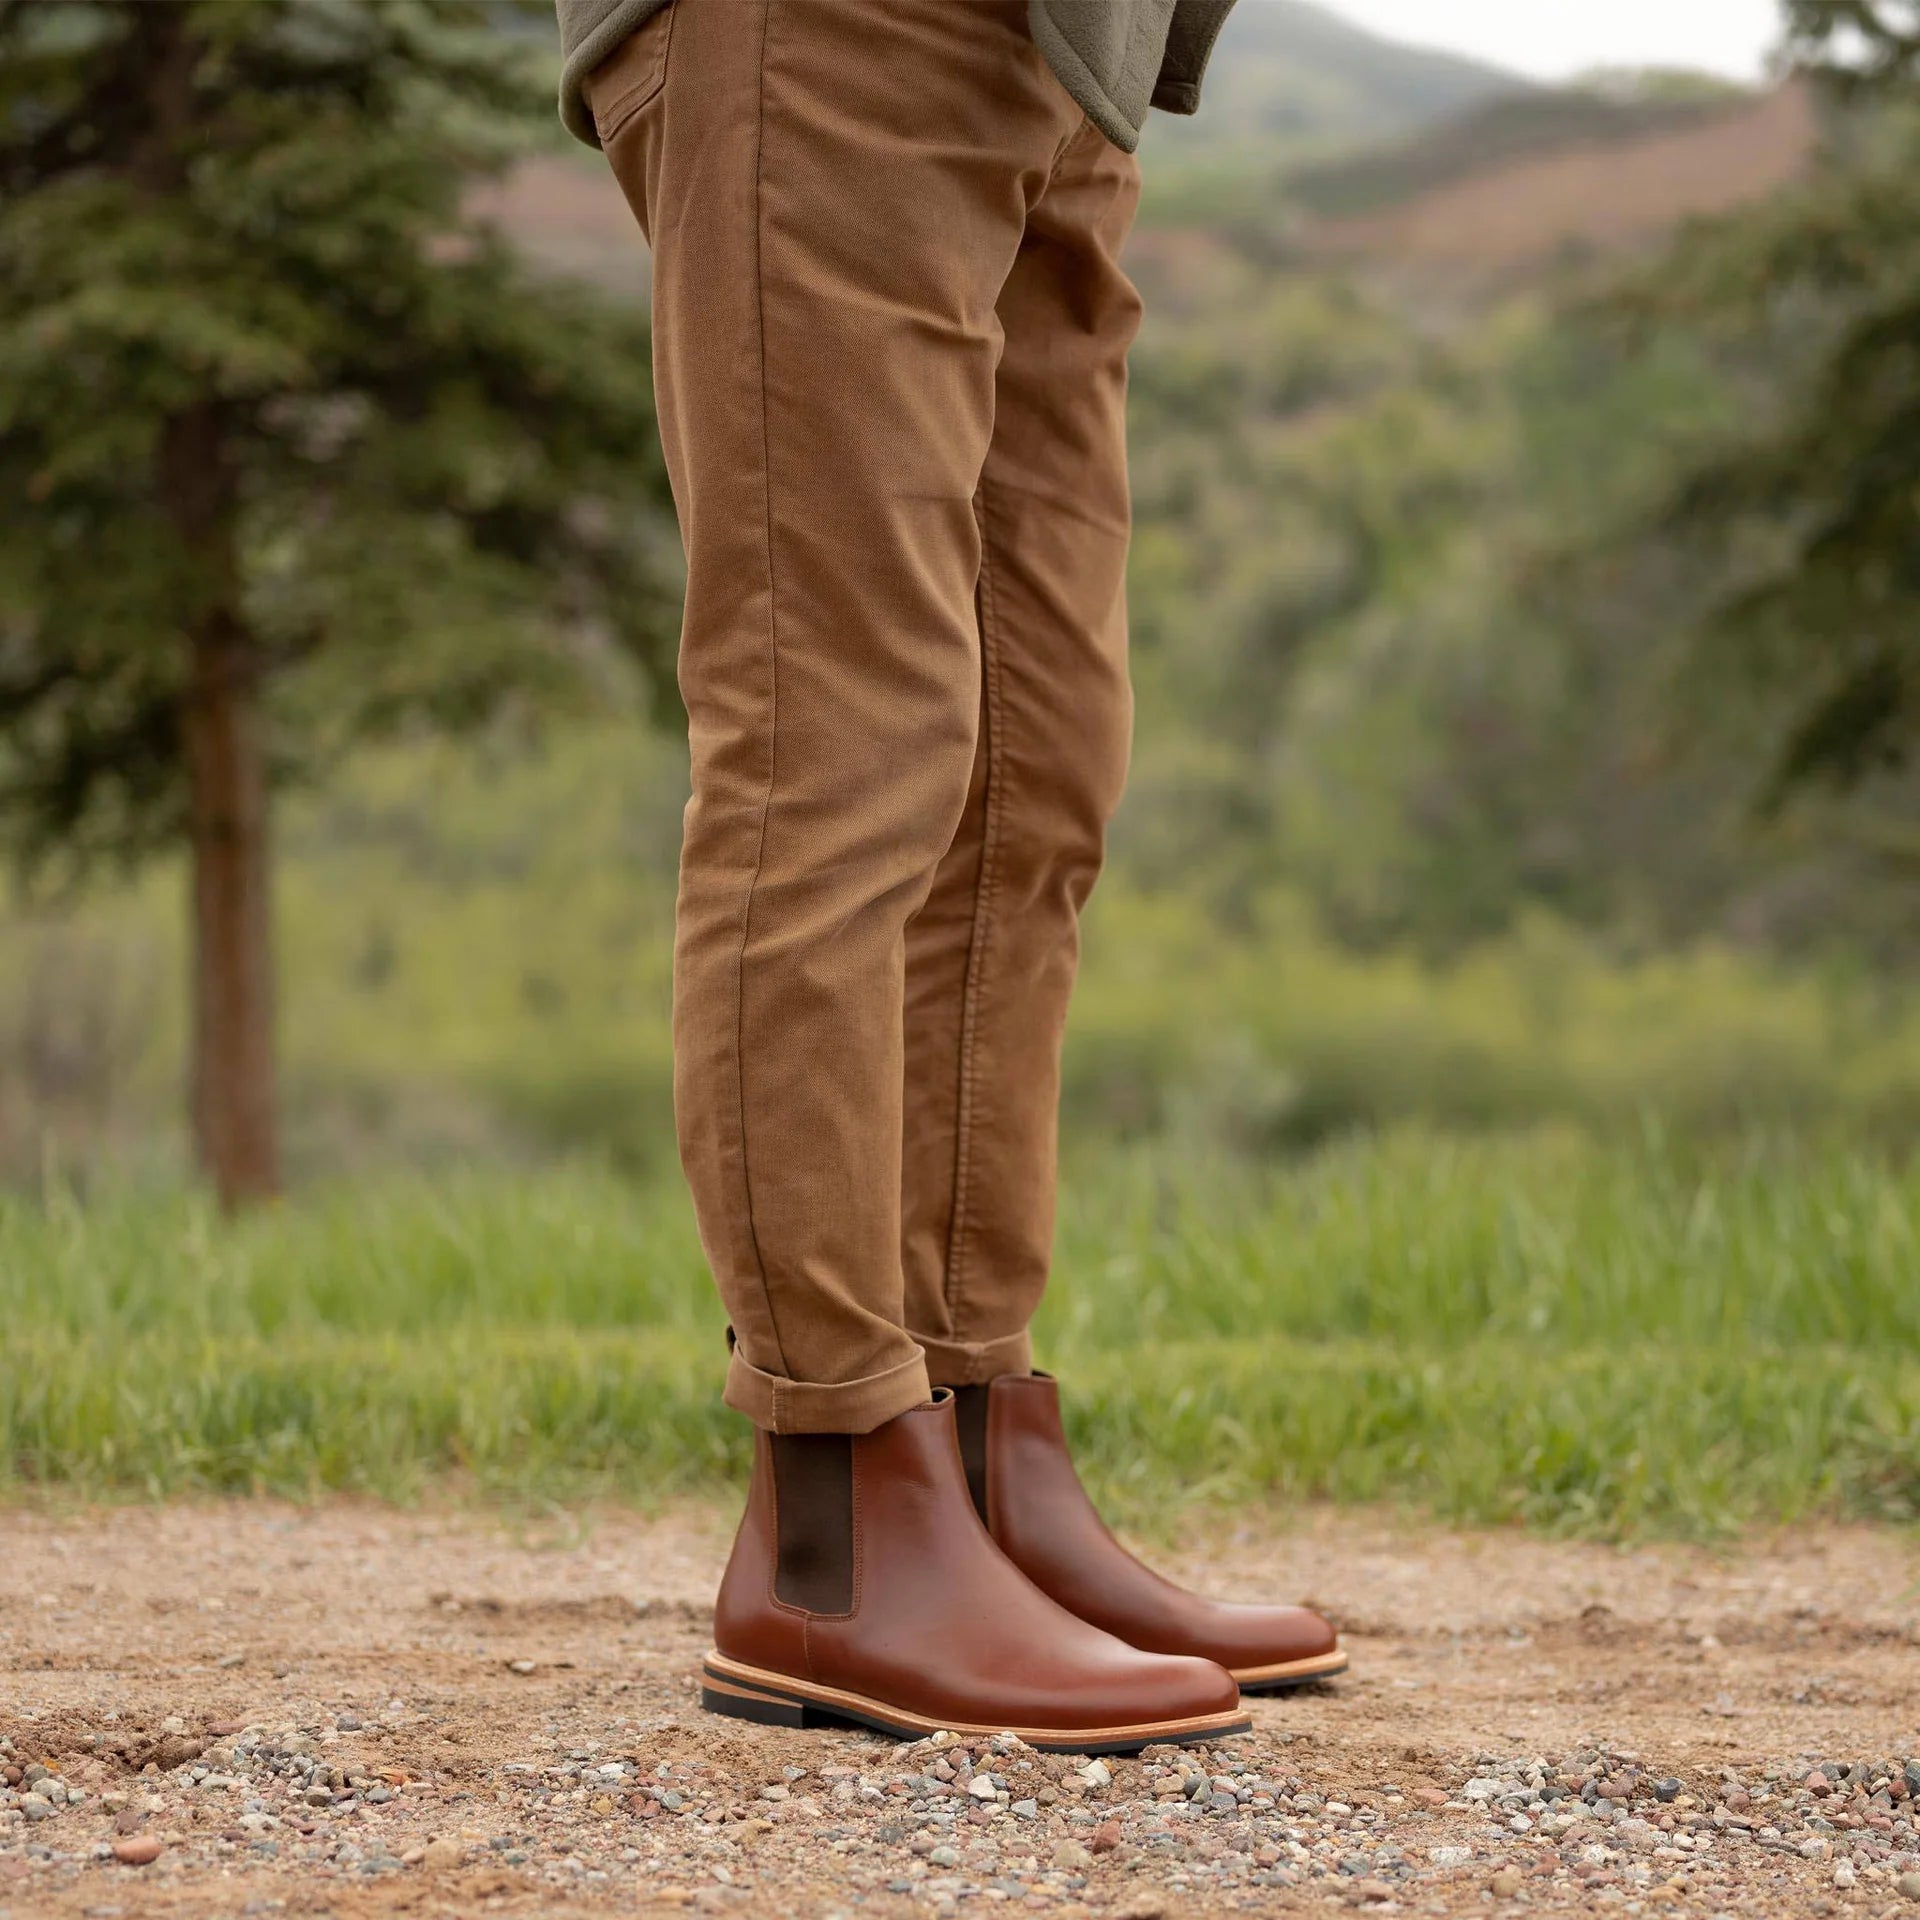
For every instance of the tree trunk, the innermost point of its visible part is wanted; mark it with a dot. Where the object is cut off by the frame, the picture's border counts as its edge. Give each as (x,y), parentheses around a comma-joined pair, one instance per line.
(234,1120)
(235,1129)
(196,485)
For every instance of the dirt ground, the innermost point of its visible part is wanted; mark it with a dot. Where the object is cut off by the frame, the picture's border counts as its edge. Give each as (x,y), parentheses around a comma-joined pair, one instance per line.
(440,1714)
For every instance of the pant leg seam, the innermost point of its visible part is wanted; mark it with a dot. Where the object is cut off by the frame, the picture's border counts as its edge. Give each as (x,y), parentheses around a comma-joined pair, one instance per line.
(981,934)
(773,689)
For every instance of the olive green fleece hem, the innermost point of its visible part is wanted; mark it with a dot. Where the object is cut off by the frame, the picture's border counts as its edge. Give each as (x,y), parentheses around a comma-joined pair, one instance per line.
(1193,28)
(1190,42)
(1077,77)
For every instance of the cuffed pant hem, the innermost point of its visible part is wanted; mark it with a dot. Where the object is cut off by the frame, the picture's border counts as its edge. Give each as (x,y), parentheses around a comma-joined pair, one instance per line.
(971,1363)
(796,1406)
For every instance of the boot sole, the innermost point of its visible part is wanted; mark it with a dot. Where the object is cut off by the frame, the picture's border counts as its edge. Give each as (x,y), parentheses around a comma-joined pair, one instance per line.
(1285,1675)
(778,1700)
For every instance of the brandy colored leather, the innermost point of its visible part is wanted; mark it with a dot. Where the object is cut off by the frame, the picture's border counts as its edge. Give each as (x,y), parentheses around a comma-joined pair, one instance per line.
(942,1625)
(1040,1514)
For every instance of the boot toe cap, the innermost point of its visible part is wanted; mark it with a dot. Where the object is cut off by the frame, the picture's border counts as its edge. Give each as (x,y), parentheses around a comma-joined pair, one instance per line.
(1258,1639)
(1203,1687)
(1161,1688)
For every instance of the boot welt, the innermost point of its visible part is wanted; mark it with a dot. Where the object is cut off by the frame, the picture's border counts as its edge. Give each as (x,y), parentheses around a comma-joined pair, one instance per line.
(777,1699)
(1291,1673)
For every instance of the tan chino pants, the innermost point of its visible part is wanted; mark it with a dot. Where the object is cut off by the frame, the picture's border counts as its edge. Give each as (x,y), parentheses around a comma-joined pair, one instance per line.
(890,338)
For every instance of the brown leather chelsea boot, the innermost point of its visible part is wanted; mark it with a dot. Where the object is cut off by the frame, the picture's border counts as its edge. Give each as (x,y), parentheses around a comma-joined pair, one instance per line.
(1024,1485)
(863,1587)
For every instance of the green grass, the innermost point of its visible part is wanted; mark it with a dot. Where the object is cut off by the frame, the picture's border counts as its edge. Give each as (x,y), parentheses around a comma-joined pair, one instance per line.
(1539,1329)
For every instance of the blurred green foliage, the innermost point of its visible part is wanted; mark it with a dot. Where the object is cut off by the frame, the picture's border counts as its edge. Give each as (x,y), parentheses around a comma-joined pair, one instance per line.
(1440,811)
(1813,509)
(1587,586)
(476,953)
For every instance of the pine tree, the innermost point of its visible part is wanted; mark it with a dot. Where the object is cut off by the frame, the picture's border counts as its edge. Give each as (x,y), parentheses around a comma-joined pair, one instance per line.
(1815,509)
(293,449)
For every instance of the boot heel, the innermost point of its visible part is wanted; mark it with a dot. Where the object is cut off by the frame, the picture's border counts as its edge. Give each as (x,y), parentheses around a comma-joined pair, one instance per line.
(744,1703)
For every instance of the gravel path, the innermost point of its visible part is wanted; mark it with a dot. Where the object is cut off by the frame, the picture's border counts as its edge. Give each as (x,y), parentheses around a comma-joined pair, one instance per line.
(263,1710)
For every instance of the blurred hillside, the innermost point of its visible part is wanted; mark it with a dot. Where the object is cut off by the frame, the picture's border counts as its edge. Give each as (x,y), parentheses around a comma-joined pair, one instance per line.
(1321,134)
(1513,189)
(1290,75)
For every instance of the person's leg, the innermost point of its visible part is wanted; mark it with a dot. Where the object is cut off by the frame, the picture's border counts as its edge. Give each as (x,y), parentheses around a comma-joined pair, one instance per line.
(991,957)
(835,194)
